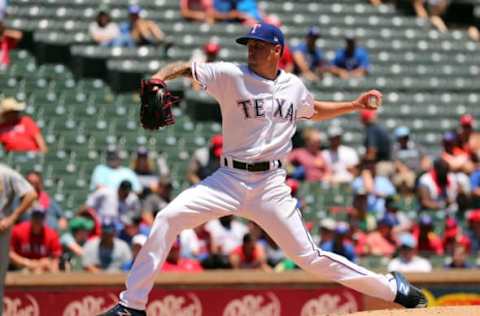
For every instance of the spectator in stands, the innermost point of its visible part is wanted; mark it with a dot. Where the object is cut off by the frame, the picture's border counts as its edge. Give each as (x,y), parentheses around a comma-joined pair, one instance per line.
(377,141)
(351,61)
(459,259)
(473,221)
(8,41)
(158,198)
(382,241)
(249,11)
(197,10)
(140,31)
(103,31)
(54,213)
(377,187)
(34,246)
(148,169)
(19,132)
(131,226)
(107,252)
(308,57)
(90,214)
(453,236)
(469,140)
(407,260)
(16,197)
(175,263)
(73,241)
(458,160)
(475,183)
(436,7)
(206,160)
(249,255)
(112,173)
(340,244)
(226,233)
(429,243)
(309,162)
(409,157)
(392,208)
(437,189)
(112,204)
(137,243)
(226,11)
(340,159)
(327,230)
(286,61)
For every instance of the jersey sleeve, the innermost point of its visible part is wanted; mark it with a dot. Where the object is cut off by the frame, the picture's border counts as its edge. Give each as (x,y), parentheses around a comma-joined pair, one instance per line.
(210,76)
(305,109)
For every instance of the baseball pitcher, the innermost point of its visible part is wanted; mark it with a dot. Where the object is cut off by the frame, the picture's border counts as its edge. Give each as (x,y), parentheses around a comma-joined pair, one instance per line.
(260,107)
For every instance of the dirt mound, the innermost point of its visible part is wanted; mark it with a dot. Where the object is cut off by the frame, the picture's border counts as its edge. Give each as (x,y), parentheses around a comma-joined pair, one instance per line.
(434,311)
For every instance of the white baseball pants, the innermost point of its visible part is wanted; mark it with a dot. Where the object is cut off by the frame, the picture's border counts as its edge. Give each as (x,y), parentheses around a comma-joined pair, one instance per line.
(262,197)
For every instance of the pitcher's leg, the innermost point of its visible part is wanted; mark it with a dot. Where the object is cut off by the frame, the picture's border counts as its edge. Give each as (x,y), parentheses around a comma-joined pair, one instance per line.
(288,231)
(191,208)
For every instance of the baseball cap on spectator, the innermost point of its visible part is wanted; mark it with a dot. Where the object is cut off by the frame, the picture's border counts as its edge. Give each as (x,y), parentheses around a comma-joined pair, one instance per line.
(425,220)
(407,240)
(402,131)
(449,136)
(368,115)
(10,104)
(217,145)
(80,223)
(139,240)
(134,9)
(466,120)
(451,228)
(293,184)
(313,31)
(328,224)
(211,48)
(388,220)
(474,216)
(342,228)
(263,32)
(142,152)
(108,226)
(334,131)
(112,154)
(39,212)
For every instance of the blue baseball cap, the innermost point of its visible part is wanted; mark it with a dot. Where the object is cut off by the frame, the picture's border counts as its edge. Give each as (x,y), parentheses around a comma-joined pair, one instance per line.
(134,9)
(402,131)
(407,240)
(313,31)
(263,32)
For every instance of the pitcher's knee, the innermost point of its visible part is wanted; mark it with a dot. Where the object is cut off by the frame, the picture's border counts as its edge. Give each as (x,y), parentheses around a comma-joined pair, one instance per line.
(307,260)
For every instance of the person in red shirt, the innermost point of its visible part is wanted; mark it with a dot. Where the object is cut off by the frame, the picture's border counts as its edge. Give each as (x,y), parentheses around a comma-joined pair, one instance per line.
(19,132)
(429,243)
(175,263)
(250,255)
(34,246)
(309,159)
(8,40)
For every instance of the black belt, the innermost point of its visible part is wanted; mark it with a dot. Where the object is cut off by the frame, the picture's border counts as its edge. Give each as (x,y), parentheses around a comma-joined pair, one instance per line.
(254,167)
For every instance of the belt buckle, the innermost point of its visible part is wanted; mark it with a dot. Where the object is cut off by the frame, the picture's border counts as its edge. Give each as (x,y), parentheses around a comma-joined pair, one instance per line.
(249,166)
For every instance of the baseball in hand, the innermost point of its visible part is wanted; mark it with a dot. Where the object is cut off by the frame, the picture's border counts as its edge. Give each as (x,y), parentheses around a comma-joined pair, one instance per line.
(373,102)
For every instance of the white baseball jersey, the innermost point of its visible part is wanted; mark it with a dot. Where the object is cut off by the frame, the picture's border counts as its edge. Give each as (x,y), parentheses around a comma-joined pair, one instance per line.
(259,114)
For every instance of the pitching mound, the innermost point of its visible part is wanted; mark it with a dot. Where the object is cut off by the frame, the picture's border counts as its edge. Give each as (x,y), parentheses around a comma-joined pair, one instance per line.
(434,311)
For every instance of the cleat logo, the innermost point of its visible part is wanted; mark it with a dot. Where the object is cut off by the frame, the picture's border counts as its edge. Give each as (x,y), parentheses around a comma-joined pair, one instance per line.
(403,288)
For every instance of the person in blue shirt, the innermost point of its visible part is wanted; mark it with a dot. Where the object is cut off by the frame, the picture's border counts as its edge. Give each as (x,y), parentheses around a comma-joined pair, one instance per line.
(351,61)
(340,243)
(310,62)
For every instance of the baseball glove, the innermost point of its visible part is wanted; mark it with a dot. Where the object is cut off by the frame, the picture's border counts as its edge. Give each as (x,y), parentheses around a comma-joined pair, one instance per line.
(156,107)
